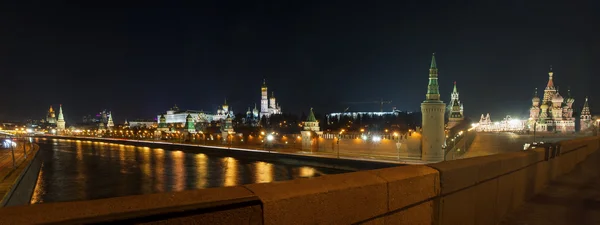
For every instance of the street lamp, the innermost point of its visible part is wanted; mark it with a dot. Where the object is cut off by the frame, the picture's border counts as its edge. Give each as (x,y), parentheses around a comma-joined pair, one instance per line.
(269,139)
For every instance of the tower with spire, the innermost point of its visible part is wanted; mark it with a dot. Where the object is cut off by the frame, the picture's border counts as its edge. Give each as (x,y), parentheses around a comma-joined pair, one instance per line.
(110,124)
(162,124)
(455,112)
(433,110)
(586,117)
(310,130)
(189,124)
(60,123)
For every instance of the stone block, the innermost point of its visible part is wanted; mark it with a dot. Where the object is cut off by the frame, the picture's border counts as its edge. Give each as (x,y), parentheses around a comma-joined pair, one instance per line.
(458,208)
(485,202)
(504,200)
(409,184)
(251,215)
(457,174)
(542,177)
(137,206)
(515,161)
(332,199)
(417,215)
(520,184)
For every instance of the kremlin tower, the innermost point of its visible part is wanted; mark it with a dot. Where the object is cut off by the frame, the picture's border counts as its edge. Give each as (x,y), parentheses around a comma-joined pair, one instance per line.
(110,124)
(586,117)
(433,110)
(310,125)
(455,110)
(60,124)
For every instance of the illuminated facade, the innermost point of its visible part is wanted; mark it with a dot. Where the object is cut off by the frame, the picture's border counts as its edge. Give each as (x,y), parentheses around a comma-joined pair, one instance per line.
(552,113)
(455,109)
(268,106)
(177,116)
(585,119)
(433,110)
(507,124)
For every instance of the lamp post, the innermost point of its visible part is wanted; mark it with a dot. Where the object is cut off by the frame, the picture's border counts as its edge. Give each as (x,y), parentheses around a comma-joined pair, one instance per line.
(269,139)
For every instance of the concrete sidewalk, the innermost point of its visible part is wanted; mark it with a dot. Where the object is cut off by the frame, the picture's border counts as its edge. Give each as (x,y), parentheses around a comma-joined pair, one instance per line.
(574,198)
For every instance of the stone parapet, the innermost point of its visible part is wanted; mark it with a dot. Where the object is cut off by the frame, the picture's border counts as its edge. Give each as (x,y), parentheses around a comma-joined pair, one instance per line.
(478,190)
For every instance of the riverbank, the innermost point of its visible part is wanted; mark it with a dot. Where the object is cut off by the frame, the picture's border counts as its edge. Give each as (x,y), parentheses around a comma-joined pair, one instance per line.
(9,176)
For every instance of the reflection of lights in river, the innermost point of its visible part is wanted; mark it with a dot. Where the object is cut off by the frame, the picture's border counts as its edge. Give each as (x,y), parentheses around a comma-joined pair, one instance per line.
(159,169)
(307,172)
(230,171)
(264,172)
(40,188)
(202,171)
(178,170)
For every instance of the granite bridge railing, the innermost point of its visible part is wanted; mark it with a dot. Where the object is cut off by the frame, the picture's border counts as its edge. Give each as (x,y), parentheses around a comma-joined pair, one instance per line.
(479,190)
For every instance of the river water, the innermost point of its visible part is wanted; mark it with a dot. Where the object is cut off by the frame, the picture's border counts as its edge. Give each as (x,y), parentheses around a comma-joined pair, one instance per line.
(83,170)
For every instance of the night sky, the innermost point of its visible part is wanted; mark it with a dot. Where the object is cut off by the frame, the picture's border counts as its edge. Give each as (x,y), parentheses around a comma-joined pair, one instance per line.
(138,59)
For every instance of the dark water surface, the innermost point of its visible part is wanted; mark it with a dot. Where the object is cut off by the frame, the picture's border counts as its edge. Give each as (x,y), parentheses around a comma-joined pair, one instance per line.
(83,170)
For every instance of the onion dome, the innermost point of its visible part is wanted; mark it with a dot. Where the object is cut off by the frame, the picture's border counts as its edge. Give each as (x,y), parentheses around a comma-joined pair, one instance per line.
(557,98)
(544,106)
(535,100)
(569,98)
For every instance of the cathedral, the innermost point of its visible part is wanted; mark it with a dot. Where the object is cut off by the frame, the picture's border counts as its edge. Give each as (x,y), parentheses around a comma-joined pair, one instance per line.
(552,113)
(51,118)
(268,106)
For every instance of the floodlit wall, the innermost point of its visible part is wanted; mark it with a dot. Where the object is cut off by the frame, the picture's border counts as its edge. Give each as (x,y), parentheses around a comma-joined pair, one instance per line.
(478,190)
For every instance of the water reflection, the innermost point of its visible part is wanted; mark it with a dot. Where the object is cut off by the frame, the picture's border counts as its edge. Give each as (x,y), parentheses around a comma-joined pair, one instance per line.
(83,170)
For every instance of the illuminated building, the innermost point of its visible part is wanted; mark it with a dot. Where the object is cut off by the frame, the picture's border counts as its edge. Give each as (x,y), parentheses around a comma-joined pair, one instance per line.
(141,123)
(433,110)
(268,106)
(508,124)
(553,113)
(60,124)
(177,116)
(586,117)
(51,119)
(455,109)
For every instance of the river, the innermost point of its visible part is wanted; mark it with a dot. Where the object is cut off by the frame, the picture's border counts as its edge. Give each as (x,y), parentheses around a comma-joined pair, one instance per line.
(75,170)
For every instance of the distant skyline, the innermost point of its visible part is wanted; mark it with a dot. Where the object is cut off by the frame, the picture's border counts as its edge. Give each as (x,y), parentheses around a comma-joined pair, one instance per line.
(139,61)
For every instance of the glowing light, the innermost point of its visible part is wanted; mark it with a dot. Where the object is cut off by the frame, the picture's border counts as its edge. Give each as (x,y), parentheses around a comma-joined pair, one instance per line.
(29,130)
(376,138)
(395,134)
(270,137)
(364,137)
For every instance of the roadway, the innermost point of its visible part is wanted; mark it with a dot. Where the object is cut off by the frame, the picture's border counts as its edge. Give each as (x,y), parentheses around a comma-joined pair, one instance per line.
(502,142)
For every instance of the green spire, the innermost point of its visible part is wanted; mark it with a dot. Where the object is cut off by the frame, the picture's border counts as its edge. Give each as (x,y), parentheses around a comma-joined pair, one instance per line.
(60,114)
(454,89)
(433,65)
(189,123)
(311,116)
(433,91)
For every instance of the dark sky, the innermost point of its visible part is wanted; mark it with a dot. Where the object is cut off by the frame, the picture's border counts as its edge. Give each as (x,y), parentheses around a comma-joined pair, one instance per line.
(138,59)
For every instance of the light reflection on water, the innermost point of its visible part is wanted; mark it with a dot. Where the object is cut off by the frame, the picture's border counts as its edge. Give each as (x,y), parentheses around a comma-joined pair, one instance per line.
(83,170)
